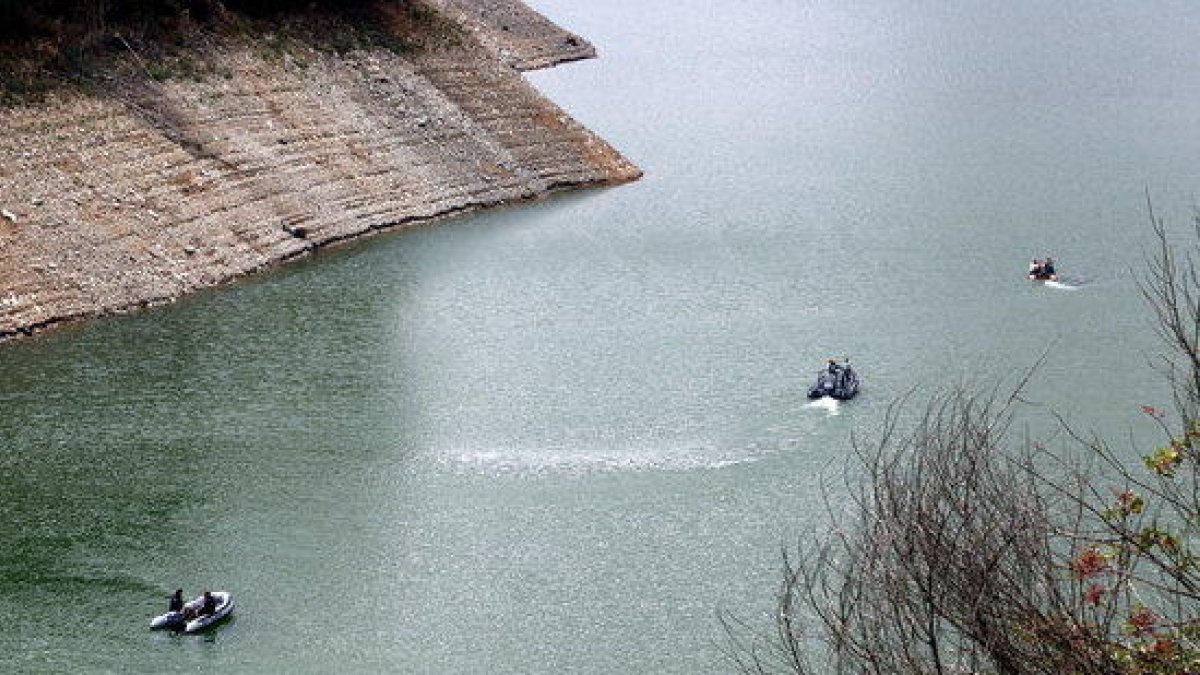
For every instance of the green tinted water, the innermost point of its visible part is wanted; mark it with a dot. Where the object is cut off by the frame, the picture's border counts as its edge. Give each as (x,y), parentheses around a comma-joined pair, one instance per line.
(560,438)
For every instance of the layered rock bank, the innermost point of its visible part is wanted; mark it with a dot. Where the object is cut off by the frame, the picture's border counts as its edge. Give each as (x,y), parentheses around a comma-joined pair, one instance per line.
(119,197)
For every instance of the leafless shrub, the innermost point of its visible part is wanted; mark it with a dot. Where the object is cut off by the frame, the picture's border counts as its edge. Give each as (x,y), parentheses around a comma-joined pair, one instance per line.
(948,564)
(967,550)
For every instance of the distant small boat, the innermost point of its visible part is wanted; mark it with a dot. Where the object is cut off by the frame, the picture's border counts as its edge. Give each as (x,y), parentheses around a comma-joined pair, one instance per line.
(839,382)
(180,621)
(1042,270)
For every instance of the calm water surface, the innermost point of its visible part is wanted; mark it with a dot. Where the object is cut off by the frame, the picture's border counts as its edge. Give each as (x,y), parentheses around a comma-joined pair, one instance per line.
(560,438)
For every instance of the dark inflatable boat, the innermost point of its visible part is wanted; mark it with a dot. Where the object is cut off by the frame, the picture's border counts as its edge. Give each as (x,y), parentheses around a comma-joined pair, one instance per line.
(835,381)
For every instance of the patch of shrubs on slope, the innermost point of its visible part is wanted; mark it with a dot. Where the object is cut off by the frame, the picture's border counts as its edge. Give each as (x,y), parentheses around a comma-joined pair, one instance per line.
(49,44)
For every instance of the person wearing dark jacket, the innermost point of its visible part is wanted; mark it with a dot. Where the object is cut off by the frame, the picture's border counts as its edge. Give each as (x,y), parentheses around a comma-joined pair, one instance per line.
(176,603)
(210,604)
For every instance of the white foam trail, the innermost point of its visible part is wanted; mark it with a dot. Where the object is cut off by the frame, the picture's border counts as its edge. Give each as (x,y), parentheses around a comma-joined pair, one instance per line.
(830,405)
(550,461)
(1061,286)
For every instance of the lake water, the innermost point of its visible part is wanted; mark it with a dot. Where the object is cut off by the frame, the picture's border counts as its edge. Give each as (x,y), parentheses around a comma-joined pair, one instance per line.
(561,438)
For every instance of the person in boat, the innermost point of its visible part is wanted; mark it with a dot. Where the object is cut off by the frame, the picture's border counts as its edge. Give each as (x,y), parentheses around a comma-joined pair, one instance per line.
(1048,269)
(1042,270)
(210,604)
(176,602)
(838,372)
(835,372)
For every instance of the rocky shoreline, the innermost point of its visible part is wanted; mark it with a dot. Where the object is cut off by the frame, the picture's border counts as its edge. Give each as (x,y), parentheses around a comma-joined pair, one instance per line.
(124,198)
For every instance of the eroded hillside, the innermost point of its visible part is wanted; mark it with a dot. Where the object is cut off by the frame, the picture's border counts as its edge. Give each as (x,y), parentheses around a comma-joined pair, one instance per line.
(189,168)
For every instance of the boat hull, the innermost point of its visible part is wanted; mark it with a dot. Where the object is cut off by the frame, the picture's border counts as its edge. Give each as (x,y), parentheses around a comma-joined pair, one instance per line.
(224,608)
(167,621)
(178,620)
(842,385)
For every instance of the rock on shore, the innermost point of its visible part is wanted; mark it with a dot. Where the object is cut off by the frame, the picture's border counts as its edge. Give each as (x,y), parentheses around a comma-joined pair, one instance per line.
(112,202)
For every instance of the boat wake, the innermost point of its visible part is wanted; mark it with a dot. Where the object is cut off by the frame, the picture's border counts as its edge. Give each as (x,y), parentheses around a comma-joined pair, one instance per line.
(1062,285)
(535,462)
(830,406)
